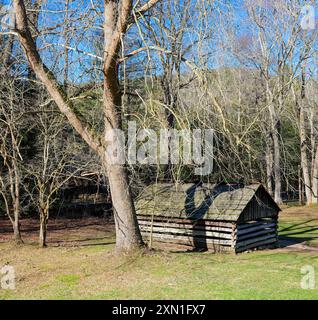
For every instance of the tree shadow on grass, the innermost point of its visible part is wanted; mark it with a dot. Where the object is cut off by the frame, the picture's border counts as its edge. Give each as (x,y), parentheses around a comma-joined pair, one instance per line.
(87,242)
(290,235)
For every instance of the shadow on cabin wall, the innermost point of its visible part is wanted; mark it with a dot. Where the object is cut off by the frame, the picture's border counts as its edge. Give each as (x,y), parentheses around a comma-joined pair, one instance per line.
(196,213)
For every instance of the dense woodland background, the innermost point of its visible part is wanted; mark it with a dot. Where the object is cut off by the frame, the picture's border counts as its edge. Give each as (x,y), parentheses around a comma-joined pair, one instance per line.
(247,69)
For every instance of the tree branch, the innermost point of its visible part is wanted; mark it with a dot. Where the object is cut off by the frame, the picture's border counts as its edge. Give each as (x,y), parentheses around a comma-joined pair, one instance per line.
(147,6)
(46,76)
(134,52)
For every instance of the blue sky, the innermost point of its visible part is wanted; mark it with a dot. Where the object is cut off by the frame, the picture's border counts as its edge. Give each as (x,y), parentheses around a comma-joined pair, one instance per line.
(84,68)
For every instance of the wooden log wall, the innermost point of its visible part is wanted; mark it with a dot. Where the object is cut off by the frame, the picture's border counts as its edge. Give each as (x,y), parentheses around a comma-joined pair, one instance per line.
(261,233)
(201,234)
(209,234)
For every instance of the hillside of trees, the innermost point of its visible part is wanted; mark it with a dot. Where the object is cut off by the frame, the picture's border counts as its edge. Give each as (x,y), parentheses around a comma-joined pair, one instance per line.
(247,70)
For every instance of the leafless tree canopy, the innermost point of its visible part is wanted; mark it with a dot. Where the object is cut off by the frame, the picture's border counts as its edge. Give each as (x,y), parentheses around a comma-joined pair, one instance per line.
(72,71)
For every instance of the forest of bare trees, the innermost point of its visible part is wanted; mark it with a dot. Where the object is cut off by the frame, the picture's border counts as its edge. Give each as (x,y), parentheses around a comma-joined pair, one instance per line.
(73,71)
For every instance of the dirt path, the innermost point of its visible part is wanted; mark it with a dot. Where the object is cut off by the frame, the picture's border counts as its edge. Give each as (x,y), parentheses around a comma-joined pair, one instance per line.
(288,245)
(62,232)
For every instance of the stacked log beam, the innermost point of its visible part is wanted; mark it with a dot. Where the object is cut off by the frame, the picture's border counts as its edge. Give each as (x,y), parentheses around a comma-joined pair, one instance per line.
(213,235)
(254,235)
(209,234)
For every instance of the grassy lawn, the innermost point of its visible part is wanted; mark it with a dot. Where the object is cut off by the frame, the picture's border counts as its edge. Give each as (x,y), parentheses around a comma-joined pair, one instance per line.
(300,223)
(91,271)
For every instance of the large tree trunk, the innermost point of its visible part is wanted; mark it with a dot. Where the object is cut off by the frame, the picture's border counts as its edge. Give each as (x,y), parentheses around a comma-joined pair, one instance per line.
(34,7)
(128,234)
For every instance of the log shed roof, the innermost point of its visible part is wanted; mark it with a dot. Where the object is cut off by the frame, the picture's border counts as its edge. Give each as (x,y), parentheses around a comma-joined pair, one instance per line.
(222,202)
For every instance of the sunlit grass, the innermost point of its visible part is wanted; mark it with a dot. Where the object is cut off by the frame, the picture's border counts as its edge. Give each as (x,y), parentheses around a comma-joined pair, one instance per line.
(82,273)
(94,272)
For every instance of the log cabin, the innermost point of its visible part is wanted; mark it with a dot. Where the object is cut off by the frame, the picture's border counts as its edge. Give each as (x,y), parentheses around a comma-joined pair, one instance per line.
(221,217)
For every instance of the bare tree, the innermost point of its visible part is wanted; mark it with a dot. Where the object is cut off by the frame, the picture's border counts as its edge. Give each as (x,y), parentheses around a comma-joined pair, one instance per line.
(11,137)
(117,16)
(53,165)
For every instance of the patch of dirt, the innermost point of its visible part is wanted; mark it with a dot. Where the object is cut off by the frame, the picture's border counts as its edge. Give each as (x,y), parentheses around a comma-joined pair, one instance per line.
(62,231)
(288,245)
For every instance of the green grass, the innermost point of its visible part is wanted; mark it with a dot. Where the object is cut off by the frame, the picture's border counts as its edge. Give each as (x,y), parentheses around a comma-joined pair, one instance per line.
(300,223)
(305,231)
(98,274)
(94,272)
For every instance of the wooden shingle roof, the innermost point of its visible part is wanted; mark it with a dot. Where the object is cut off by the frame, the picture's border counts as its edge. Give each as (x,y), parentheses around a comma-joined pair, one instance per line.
(221,202)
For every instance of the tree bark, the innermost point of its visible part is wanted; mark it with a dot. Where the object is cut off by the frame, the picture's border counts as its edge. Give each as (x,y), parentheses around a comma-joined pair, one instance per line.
(277,169)
(269,164)
(300,187)
(17,232)
(43,230)
(304,142)
(16,199)
(304,156)
(275,133)
(128,234)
